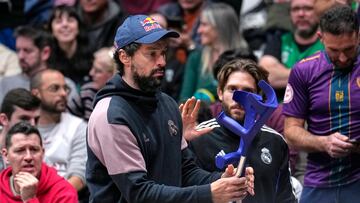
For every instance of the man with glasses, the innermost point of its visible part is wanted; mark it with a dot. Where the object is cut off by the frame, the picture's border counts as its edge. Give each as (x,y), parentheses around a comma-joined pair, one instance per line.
(284,50)
(63,133)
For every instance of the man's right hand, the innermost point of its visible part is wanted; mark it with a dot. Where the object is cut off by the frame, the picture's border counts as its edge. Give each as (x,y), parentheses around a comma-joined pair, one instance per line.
(229,189)
(28,185)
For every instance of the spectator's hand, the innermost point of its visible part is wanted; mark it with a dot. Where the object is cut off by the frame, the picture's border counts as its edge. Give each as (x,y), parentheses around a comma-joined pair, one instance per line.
(28,185)
(229,189)
(189,113)
(338,145)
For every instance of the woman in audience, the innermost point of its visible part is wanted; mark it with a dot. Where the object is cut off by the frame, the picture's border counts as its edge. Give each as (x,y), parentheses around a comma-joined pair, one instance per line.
(102,70)
(70,54)
(219,31)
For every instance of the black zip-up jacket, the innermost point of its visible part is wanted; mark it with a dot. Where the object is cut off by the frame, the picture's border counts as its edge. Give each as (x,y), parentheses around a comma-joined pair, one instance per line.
(136,152)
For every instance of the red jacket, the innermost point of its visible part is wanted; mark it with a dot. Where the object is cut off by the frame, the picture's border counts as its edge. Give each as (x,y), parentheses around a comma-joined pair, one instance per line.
(52,188)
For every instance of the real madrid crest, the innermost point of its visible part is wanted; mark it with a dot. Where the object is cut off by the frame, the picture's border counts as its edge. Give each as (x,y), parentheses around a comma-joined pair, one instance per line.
(173,130)
(266,156)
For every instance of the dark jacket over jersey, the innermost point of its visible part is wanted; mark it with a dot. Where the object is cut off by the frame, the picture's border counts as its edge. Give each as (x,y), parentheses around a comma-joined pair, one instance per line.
(136,152)
(268,155)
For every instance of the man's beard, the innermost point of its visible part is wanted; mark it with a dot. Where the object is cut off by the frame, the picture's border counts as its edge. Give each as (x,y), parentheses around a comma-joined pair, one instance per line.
(148,84)
(227,111)
(309,32)
(52,108)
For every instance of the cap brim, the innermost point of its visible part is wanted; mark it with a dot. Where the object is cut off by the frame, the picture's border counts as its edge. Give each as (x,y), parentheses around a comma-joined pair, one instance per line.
(155,36)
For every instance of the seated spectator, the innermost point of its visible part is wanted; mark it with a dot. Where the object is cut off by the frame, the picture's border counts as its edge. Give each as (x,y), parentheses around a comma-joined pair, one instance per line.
(63,133)
(9,62)
(71,54)
(28,179)
(134,7)
(102,70)
(219,31)
(33,48)
(18,105)
(224,58)
(101,19)
(283,50)
(268,154)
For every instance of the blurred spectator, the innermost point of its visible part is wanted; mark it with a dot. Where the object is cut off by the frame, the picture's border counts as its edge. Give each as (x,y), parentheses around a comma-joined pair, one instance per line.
(33,47)
(28,179)
(11,15)
(9,62)
(253,16)
(101,19)
(284,50)
(71,54)
(133,7)
(183,15)
(18,105)
(219,31)
(102,70)
(63,134)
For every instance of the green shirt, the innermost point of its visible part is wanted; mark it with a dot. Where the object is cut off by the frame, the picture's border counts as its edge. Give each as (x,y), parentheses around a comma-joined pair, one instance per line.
(290,53)
(201,85)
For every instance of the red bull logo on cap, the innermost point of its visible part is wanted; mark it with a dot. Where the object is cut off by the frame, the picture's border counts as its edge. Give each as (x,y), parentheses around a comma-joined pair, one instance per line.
(149,24)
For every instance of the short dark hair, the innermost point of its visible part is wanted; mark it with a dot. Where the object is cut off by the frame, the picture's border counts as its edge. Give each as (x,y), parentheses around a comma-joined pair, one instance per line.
(340,19)
(130,50)
(23,128)
(37,80)
(229,55)
(39,36)
(19,97)
(243,65)
(59,11)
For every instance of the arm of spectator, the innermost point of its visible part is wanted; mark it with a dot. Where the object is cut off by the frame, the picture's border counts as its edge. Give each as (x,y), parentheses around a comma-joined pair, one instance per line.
(278,73)
(336,144)
(76,182)
(189,113)
(78,156)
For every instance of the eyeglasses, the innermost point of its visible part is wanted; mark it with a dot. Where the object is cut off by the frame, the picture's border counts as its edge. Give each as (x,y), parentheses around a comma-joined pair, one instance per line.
(56,88)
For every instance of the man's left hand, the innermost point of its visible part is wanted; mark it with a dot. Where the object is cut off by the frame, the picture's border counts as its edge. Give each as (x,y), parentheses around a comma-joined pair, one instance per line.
(189,114)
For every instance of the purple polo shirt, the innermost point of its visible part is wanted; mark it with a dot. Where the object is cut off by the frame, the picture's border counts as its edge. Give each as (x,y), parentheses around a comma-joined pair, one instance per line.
(328,98)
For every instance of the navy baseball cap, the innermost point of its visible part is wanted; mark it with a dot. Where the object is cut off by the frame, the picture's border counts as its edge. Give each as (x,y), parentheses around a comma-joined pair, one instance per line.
(140,29)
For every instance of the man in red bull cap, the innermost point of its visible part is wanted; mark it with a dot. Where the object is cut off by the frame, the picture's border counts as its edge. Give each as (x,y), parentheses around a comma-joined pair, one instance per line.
(136,150)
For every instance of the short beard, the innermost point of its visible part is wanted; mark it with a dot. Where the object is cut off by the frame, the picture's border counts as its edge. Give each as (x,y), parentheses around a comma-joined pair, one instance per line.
(52,109)
(148,84)
(227,111)
(306,34)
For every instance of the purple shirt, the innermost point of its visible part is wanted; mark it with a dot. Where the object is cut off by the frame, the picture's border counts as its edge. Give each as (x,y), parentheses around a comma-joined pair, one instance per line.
(328,98)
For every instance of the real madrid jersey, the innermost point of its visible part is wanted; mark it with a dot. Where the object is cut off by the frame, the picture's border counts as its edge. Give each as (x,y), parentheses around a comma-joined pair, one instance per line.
(268,155)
